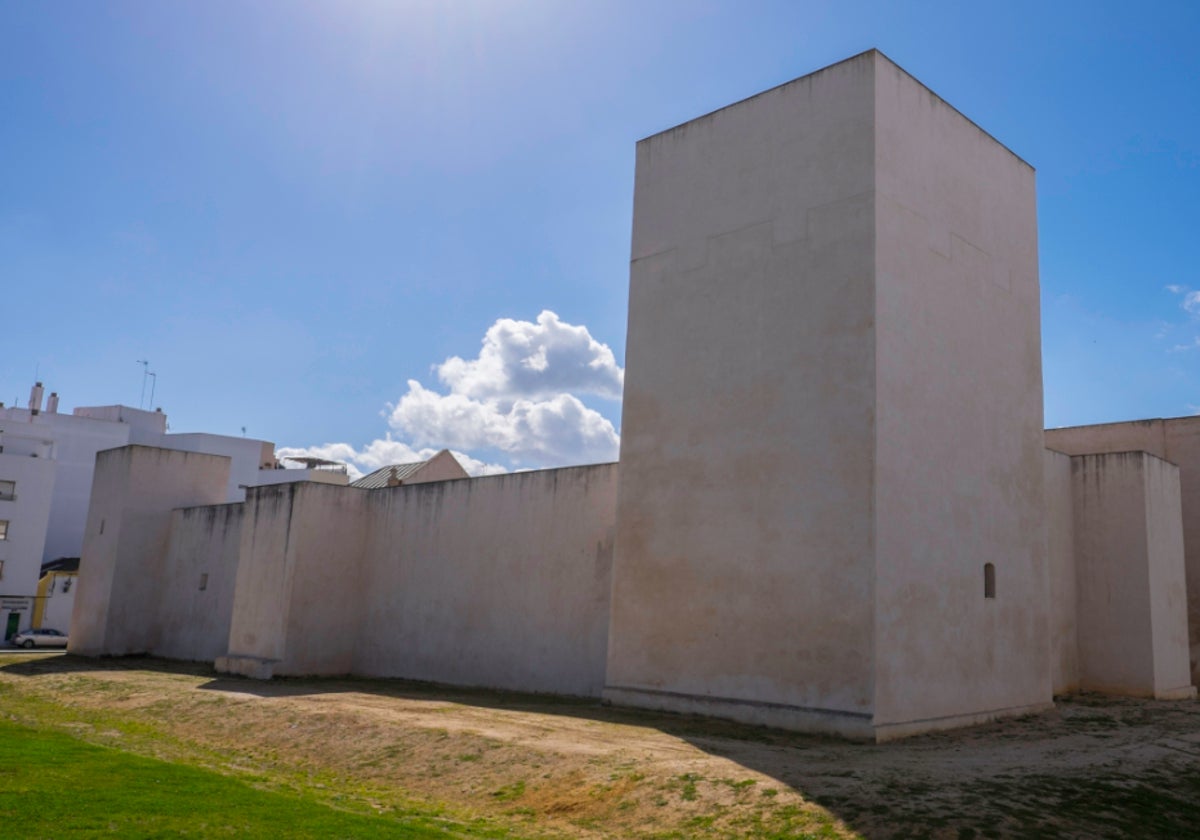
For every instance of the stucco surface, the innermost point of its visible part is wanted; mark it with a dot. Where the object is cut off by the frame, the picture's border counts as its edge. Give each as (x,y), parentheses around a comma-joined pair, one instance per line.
(1060,568)
(199,573)
(77,440)
(297,599)
(744,559)
(958,467)
(1168,593)
(27,515)
(1176,440)
(326,548)
(832,415)
(1131,615)
(502,581)
(258,622)
(125,543)
(247,456)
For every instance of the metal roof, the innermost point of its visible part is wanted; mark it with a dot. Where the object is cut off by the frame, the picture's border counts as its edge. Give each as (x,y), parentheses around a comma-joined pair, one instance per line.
(381,476)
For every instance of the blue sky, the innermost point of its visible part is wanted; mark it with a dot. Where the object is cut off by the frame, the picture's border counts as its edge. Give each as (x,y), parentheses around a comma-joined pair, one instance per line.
(299,211)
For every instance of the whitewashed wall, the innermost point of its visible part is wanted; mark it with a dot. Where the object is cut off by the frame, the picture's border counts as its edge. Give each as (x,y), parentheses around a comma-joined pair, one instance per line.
(119,596)
(500,581)
(197,582)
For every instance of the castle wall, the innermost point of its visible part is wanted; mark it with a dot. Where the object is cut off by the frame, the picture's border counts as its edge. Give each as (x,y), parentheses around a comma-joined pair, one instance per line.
(1131,602)
(1060,567)
(502,581)
(834,511)
(134,490)
(198,579)
(959,452)
(1176,440)
(296,608)
(262,591)
(834,346)
(743,583)
(1168,592)
(327,545)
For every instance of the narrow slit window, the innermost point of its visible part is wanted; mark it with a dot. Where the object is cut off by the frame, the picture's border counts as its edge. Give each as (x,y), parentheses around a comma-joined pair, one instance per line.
(203,581)
(989,580)
(3,529)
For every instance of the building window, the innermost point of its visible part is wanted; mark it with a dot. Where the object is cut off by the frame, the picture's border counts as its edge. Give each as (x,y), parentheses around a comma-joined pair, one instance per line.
(8,490)
(203,581)
(1,570)
(989,580)
(3,529)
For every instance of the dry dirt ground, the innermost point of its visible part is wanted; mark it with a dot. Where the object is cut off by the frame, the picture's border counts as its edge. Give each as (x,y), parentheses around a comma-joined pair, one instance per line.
(539,766)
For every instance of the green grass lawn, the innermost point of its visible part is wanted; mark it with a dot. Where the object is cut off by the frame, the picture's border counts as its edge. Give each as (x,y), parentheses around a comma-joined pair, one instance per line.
(53,786)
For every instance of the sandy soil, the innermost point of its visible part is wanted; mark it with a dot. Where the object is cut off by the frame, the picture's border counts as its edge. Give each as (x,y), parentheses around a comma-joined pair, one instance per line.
(1094,767)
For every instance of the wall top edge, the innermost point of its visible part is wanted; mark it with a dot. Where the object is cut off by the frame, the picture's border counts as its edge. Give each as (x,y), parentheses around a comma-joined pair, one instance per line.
(872,53)
(184,453)
(1125,453)
(1147,421)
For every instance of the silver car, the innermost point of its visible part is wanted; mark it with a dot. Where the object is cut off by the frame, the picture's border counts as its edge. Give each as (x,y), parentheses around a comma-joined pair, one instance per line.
(41,637)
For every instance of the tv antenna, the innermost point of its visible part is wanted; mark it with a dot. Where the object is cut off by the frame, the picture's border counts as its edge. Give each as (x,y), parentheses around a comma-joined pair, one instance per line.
(145,375)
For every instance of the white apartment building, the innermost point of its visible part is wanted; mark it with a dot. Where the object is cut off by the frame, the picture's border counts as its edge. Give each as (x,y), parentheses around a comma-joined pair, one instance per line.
(27,473)
(47,460)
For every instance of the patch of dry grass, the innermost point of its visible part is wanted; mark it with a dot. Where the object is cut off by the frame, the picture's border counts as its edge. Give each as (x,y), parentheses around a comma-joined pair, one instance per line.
(554,767)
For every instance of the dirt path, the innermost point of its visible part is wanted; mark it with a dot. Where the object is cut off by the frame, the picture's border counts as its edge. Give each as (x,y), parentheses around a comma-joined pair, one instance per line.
(542,765)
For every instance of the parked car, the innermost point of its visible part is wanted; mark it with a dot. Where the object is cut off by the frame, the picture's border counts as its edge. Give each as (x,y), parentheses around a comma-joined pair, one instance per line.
(41,637)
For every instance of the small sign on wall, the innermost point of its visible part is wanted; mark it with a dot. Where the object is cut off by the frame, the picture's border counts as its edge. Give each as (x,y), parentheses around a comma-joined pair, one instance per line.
(16,604)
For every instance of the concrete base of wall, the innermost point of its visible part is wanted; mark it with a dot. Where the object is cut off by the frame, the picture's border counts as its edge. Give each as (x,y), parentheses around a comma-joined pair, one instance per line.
(1186,692)
(246,666)
(894,731)
(856,727)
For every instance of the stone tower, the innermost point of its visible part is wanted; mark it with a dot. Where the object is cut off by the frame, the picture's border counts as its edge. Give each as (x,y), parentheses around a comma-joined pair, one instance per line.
(829,507)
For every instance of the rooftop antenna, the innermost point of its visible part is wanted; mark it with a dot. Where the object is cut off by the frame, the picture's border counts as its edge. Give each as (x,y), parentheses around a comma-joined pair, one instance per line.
(153,383)
(145,373)
(243,431)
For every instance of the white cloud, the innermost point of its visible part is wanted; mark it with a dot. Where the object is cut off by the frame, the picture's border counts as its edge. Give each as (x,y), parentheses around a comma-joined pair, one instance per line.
(554,431)
(526,359)
(1191,299)
(517,397)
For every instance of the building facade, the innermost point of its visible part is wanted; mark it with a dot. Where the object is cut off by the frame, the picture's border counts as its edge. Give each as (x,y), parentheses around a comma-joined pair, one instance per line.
(27,482)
